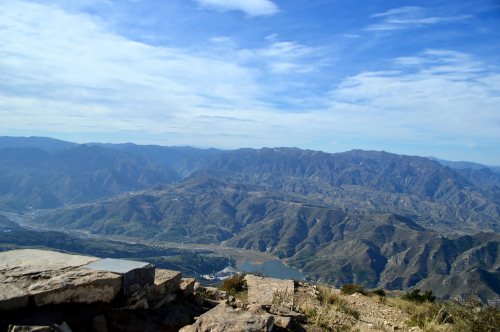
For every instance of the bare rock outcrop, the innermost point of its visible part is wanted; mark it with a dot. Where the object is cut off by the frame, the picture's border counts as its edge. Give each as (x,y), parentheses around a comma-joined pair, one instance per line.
(40,289)
(225,318)
(264,290)
(50,277)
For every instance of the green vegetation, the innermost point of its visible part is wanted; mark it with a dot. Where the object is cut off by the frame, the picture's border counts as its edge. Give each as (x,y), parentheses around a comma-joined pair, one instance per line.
(234,284)
(449,316)
(415,296)
(276,200)
(379,292)
(189,262)
(349,289)
(326,309)
(328,297)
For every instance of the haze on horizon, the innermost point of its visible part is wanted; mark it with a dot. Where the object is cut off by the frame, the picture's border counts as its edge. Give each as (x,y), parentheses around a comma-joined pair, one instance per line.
(412,77)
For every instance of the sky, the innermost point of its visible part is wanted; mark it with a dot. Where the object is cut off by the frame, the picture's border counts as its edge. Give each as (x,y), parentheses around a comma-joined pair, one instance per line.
(409,77)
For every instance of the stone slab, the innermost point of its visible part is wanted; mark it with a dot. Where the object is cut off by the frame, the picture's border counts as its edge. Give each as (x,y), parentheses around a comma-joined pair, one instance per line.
(12,296)
(264,290)
(133,272)
(79,285)
(52,277)
(121,266)
(31,261)
(166,283)
(21,269)
(187,286)
(224,318)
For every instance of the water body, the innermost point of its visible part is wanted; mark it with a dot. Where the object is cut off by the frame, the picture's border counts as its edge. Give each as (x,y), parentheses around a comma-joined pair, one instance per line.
(271,268)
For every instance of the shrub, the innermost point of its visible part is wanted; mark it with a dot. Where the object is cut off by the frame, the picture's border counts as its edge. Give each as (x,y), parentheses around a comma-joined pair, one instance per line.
(284,298)
(349,289)
(379,292)
(234,284)
(449,316)
(415,296)
(474,316)
(329,298)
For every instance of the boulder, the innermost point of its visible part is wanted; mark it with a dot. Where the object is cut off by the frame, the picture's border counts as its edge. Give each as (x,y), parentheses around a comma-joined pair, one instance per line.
(132,272)
(268,290)
(187,286)
(167,281)
(50,277)
(12,296)
(32,261)
(283,322)
(166,284)
(285,312)
(225,318)
(78,286)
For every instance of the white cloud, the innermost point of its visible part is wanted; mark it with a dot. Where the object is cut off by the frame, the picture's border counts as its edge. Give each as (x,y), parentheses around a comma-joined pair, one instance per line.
(410,17)
(55,64)
(435,95)
(286,57)
(351,35)
(65,73)
(409,10)
(250,7)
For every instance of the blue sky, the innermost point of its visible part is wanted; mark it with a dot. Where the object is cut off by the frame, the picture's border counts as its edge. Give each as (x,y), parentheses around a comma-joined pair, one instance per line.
(411,77)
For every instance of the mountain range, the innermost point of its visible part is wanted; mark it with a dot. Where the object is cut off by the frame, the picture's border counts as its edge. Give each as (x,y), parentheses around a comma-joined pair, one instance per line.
(369,217)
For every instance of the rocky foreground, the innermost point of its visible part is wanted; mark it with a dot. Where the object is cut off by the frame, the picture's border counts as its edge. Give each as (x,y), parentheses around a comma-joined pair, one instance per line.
(51,291)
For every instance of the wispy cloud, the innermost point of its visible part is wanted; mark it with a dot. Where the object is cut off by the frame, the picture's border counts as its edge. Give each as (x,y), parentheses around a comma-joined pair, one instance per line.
(440,95)
(70,67)
(410,17)
(64,72)
(289,57)
(277,57)
(250,7)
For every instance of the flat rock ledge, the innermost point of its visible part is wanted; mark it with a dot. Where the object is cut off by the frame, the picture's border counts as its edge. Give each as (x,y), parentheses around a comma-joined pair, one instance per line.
(226,318)
(45,277)
(257,314)
(48,277)
(265,290)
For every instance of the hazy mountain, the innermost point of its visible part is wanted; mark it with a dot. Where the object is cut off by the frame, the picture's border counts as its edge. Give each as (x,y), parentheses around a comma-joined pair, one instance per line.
(33,178)
(370,217)
(369,180)
(42,143)
(330,244)
(182,159)
(188,261)
(459,164)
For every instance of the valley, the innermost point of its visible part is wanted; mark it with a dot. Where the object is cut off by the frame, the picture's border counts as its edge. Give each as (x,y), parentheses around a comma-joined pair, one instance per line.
(374,218)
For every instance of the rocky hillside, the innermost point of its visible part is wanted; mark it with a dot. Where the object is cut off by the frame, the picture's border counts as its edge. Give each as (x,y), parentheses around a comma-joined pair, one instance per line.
(51,291)
(375,218)
(375,249)
(33,178)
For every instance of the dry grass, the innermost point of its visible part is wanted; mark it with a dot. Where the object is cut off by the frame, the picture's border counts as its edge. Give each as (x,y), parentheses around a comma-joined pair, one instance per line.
(450,316)
(328,297)
(284,299)
(325,309)
(349,289)
(234,284)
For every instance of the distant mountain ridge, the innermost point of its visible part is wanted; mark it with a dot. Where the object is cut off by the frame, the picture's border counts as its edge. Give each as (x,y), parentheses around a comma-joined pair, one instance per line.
(377,218)
(43,143)
(461,164)
(330,244)
(34,178)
